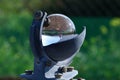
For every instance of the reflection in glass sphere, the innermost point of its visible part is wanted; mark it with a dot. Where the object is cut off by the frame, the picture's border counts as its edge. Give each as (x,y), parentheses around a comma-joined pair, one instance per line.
(59,26)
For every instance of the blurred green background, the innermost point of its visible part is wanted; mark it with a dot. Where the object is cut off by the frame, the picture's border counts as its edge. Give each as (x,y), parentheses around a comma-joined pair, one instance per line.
(99,57)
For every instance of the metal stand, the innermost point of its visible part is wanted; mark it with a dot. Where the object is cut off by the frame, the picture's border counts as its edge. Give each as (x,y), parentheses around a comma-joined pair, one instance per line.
(55,73)
(44,67)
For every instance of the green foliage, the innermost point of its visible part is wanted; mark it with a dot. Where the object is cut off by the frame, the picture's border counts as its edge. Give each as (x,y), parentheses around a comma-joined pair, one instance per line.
(99,57)
(15,48)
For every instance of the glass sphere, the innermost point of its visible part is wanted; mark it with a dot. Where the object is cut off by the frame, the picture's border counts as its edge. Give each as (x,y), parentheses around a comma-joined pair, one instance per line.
(59,25)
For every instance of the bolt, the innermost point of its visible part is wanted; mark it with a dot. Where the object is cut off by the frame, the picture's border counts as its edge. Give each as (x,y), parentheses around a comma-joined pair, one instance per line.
(38,15)
(46,22)
(69,69)
(28,72)
(58,75)
(64,69)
